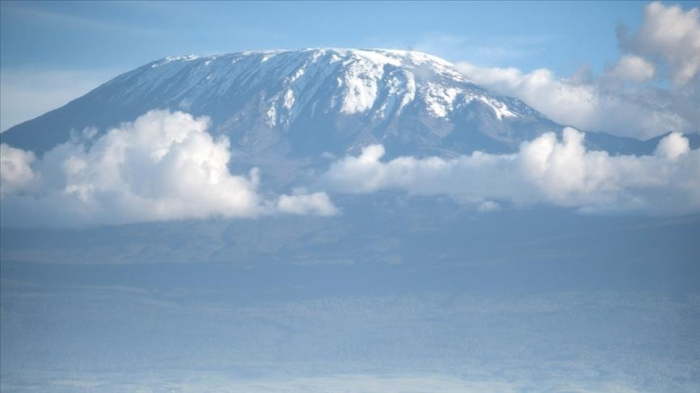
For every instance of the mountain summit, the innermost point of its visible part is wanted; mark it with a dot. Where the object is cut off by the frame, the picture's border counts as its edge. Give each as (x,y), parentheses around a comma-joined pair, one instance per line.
(306,102)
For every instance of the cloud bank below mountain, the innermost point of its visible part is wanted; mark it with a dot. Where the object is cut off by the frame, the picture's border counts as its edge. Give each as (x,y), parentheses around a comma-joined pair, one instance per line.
(545,170)
(166,166)
(163,166)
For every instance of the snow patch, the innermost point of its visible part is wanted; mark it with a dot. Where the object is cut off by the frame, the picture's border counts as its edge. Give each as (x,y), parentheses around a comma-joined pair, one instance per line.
(440,100)
(499,108)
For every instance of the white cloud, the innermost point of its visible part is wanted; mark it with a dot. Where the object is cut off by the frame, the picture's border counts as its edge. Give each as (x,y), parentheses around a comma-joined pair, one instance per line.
(588,106)
(673,146)
(545,170)
(15,169)
(629,99)
(163,166)
(632,67)
(302,203)
(668,34)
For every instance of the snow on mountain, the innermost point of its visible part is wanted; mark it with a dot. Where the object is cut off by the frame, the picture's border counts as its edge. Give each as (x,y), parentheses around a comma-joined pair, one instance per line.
(305,102)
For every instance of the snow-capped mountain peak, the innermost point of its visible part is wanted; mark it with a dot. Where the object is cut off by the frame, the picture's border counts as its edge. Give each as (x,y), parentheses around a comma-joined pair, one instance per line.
(359,76)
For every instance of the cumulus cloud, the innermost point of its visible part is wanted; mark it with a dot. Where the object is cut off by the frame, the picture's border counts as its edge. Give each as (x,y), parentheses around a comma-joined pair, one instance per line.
(668,34)
(303,203)
(163,166)
(633,68)
(545,170)
(672,146)
(629,98)
(15,169)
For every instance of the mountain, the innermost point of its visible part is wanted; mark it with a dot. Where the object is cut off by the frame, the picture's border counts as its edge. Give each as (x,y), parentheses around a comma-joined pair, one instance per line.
(305,102)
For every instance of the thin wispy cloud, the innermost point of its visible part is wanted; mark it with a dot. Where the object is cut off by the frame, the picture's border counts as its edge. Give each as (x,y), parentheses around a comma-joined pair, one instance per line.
(495,49)
(37,14)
